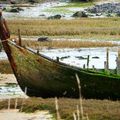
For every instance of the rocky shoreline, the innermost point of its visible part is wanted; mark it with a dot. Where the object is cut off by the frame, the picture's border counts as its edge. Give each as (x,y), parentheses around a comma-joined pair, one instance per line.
(43,10)
(107,9)
(101,10)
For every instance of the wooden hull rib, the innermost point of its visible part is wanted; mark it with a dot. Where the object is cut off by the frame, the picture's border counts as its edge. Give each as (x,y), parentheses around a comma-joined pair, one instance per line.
(45,78)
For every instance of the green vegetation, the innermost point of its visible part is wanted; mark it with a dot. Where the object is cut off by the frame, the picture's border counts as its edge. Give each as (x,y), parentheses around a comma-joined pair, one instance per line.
(77,4)
(65,9)
(58,10)
(96,109)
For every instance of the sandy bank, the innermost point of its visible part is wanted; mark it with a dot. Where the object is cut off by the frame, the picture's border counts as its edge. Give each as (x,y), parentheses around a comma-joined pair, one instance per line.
(16,115)
(7,78)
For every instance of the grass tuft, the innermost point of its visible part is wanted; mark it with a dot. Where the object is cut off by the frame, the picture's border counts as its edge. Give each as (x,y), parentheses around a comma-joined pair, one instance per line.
(96,109)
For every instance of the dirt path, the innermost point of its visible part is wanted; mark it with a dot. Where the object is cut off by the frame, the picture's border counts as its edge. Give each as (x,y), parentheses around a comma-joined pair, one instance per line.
(16,115)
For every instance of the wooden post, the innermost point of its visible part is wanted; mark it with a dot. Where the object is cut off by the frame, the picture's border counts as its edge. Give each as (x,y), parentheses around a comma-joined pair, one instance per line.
(88,60)
(8,103)
(80,97)
(16,103)
(74,116)
(105,65)
(57,108)
(93,67)
(118,62)
(19,37)
(84,66)
(57,59)
(107,59)
(78,113)
(116,70)
(38,51)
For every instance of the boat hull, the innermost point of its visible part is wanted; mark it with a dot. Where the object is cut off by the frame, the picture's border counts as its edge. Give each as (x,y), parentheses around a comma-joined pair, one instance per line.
(45,78)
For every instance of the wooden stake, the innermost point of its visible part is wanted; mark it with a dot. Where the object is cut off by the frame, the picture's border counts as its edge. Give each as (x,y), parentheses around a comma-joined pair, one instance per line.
(19,37)
(74,116)
(80,96)
(107,59)
(105,65)
(57,59)
(78,113)
(87,117)
(8,103)
(16,102)
(84,66)
(57,108)
(88,60)
(93,67)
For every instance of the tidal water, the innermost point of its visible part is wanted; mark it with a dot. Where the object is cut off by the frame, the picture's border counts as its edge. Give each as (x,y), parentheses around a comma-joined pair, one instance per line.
(11,91)
(78,57)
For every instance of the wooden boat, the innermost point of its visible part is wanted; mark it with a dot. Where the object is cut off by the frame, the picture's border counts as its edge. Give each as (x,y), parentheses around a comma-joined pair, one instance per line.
(45,77)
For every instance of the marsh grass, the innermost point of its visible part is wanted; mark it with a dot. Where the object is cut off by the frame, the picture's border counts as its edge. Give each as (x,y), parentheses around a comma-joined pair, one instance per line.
(84,27)
(96,109)
(66,44)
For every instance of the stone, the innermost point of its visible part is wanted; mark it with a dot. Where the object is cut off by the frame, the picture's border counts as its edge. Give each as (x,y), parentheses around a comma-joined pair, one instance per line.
(7,9)
(107,8)
(12,1)
(43,39)
(98,14)
(32,1)
(55,17)
(118,14)
(42,15)
(109,15)
(14,10)
(19,9)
